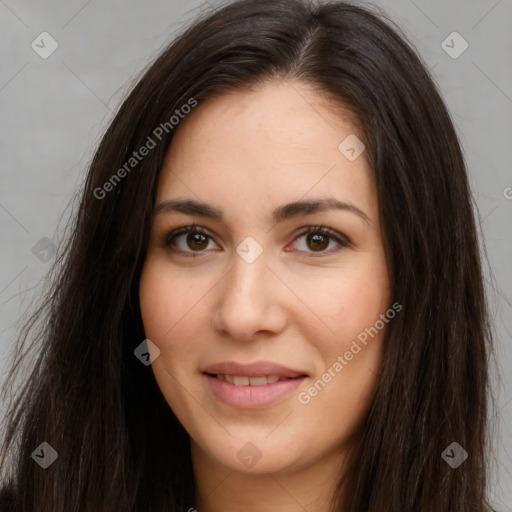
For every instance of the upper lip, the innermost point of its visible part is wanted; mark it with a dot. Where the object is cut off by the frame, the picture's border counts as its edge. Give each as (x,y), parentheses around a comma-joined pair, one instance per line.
(257,369)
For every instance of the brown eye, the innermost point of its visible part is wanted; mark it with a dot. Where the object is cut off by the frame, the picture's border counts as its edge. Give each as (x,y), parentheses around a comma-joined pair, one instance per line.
(317,242)
(320,240)
(197,241)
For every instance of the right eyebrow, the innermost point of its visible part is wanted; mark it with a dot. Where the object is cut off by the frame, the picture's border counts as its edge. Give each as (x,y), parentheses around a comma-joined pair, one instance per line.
(280,214)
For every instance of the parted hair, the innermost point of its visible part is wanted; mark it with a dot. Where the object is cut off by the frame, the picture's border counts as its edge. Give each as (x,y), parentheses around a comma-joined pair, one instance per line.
(119,445)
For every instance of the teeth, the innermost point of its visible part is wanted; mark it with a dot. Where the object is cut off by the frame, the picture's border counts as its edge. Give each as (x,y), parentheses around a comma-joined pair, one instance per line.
(257,381)
(239,380)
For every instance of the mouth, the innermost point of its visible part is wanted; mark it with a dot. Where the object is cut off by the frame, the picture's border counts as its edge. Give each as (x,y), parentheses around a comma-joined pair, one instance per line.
(244,380)
(251,385)
(252,391)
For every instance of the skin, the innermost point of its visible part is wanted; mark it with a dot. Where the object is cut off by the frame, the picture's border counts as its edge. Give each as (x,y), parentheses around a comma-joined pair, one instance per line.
(246,153)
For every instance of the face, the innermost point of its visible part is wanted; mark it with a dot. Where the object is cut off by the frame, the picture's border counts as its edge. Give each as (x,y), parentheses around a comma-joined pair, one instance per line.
(261,285)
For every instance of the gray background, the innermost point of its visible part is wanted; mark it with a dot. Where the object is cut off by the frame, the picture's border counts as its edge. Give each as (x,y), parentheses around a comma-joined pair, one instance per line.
(54,110)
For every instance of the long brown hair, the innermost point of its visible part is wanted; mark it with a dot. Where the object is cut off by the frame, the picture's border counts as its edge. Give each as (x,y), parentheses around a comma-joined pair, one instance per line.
(119,445)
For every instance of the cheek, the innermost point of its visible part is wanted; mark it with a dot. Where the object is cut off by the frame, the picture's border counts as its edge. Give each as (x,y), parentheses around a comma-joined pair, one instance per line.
(170,322)
(172,313)
(350,303)
(165,299)
(347,301)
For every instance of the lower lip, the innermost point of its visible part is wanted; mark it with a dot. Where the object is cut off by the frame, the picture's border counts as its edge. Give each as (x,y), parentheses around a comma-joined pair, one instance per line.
(252,397)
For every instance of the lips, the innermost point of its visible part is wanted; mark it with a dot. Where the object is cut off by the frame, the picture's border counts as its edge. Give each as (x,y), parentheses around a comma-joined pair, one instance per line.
(252,386)
(229,370)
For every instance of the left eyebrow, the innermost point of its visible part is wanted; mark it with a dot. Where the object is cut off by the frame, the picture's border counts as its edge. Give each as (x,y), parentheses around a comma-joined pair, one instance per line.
(297,208)
(280,214)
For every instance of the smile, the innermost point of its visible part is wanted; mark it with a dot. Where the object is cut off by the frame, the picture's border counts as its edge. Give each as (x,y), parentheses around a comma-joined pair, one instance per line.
(242,392)
(243,380)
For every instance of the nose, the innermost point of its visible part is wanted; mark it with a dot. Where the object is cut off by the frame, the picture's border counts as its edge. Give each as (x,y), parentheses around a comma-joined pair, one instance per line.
(250,301)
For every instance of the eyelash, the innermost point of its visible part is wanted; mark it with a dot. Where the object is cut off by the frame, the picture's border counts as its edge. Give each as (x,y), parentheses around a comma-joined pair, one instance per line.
(321,230)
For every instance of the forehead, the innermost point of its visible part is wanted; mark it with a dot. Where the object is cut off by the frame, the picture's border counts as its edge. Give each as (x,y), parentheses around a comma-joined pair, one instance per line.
(263,146)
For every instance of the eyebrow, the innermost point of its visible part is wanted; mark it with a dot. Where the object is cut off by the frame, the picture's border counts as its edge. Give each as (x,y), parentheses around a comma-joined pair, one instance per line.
(280,214)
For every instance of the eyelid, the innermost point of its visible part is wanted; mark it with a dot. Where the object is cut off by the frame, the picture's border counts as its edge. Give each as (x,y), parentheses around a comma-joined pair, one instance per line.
(183,230)
(340,239)
(175,232)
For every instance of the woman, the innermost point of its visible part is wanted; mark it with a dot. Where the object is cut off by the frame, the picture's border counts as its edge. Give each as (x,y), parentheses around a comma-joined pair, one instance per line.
(272,296)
